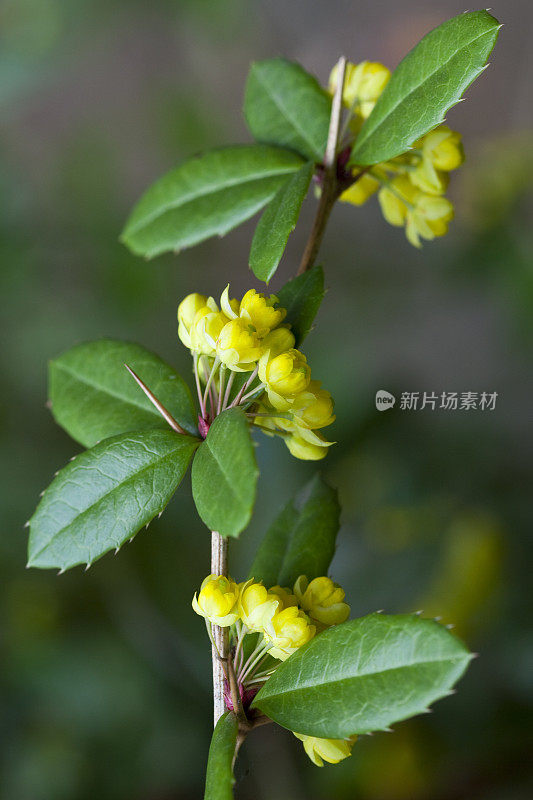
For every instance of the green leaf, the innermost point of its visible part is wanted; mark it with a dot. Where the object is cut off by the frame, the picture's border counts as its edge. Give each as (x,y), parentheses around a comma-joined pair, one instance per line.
(206,196)
(105,496)
(429,80)
(302,298)
(301,541)
(219,778)
(224,474)
(278,221)
(285,105)
(93,396)
(364,675)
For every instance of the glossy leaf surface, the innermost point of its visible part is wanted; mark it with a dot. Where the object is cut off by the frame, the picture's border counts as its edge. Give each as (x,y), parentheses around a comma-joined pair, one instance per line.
(430,80)
(364,675)
(105,495)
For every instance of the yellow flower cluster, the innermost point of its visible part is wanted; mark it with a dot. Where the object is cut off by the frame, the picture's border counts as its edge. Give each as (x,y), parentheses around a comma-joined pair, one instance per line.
(287,619)
(411,186)
(248,336)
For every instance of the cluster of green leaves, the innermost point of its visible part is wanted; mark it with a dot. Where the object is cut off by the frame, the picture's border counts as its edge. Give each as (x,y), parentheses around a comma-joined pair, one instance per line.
(287,112)
(358,677)
(134,463)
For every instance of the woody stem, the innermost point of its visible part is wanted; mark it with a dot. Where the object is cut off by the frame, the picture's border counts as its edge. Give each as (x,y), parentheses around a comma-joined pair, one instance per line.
(219,566)
(330,185)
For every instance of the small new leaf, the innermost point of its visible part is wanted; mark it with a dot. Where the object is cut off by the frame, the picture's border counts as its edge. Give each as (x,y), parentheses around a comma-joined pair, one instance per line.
(301,540)
(364,676)
(429,81)
(277,223)
(92,396)
(103,498)
(207,196)
(302,297)
(219,778)
(224,474)
(285,105)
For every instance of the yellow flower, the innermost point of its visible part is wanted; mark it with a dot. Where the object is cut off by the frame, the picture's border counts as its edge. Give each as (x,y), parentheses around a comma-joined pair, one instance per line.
(396,198)
(288,630)
(424,216)
(443,147)
(429,179)
(330,750)
(217,600)
(259,311)
(286,597)
(205,328)
(187,311)
(284,375)
(429,219)
(304,450)
(278,341)
(313,408)
(238,346)
(441,152)
(322,599)
(256,605)
(360,191)
(363,84)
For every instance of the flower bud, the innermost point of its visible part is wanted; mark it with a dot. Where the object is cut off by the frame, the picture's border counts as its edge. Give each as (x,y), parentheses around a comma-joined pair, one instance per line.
(206,326)
(284,375)
(363,84)
(189,306)
(286,597)
(314,407)
(288,630)
(429,179)
(443,147)
(322,600)
(441,152)
(256,605)
(429,219)
(424,215)
(330,750)
(238,345)
(217,600)
(278,341)
(259,311)
(396,198)
(304,450)
(187,310)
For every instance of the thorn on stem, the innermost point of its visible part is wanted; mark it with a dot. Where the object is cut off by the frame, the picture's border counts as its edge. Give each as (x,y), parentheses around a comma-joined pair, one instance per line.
(155,402)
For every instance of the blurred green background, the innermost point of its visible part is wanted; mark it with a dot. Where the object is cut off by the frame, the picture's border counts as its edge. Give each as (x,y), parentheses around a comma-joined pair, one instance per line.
(104,676)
